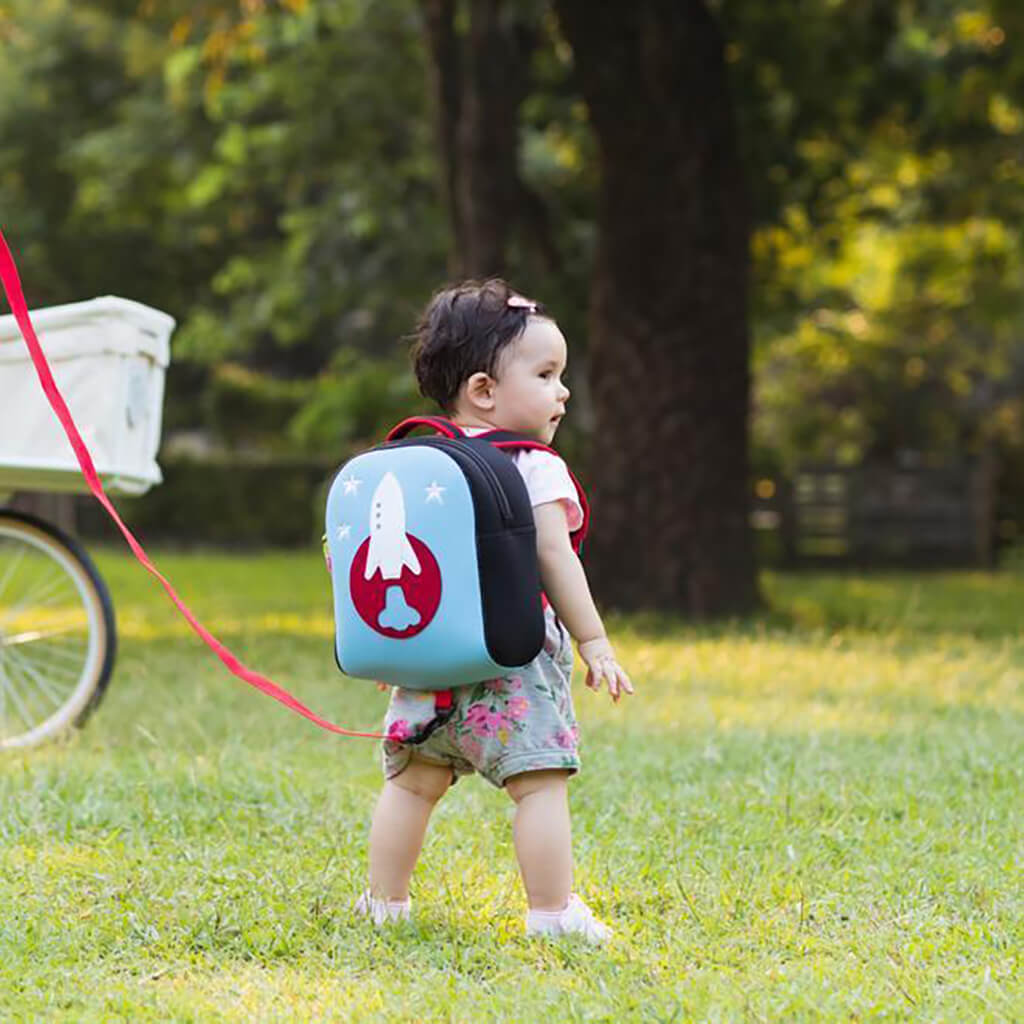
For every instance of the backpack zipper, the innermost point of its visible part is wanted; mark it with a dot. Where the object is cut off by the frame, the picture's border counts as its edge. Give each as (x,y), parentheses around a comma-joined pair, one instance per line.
(447,443)
(485,467)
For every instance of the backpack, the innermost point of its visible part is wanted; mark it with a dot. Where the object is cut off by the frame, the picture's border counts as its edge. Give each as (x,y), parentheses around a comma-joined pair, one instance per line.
(432,550)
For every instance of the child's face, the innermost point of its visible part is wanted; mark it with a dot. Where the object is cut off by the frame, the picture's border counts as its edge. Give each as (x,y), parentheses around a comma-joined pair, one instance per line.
(528,394)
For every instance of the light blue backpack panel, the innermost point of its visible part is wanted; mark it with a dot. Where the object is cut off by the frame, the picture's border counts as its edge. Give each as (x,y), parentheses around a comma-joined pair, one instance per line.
(406,515)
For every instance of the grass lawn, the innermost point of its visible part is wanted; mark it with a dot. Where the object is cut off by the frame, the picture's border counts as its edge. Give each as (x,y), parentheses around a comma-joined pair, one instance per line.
(814,815)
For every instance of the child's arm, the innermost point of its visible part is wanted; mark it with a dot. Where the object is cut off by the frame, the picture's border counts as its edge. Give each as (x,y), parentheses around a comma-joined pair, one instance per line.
(565,584)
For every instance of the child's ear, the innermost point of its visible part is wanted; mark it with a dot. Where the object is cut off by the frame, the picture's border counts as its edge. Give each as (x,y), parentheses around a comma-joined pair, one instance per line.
(480,390)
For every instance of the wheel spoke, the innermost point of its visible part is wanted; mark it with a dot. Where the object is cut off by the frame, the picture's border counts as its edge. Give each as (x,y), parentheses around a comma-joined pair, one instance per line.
(54,662)
(12,566)
(56,639)
(35,635)
(42,597)
(42,683)
(23,686)
(62,655)
(10,691)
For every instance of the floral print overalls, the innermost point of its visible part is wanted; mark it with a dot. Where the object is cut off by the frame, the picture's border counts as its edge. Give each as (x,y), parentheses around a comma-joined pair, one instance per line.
(521,722)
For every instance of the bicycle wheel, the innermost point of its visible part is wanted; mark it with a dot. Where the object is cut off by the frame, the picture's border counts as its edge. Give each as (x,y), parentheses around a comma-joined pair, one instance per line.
(57,632)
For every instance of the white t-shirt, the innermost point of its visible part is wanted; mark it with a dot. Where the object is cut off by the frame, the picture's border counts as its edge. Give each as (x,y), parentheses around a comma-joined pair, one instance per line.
(547,479)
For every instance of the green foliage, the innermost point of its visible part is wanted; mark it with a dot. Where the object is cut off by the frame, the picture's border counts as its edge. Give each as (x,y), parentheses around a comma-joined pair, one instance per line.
(65,85)
(266,172)
(252,410)
(808,817)
(888,251)
(355,404)
(227,503)
(319,179)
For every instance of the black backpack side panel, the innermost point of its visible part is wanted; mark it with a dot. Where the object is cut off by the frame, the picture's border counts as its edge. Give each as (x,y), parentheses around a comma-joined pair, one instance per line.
(509,573)
(510,590)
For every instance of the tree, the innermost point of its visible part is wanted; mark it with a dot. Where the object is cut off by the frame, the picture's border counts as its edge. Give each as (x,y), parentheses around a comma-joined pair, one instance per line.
(481,74)
(266,171)
(668,320)
(263,171)
(888,249)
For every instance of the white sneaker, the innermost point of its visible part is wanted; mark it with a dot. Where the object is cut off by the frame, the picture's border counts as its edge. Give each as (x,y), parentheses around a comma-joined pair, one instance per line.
(382,912)
(576,919)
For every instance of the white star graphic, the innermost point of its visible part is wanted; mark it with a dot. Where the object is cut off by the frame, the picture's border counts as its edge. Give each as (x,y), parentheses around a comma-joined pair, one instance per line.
(343,531)
(351,485)
(434,492)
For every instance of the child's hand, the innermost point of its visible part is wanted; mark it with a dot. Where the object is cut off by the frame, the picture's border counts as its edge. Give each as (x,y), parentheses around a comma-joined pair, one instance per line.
(601,664)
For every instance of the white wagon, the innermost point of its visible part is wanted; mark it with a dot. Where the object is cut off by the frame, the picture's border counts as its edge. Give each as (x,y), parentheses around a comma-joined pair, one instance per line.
(57,629)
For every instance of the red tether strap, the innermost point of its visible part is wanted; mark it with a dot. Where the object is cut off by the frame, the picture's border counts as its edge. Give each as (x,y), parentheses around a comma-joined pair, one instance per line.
(16,300)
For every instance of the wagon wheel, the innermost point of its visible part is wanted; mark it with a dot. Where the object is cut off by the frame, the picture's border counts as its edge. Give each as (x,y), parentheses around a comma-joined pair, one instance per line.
(57,632)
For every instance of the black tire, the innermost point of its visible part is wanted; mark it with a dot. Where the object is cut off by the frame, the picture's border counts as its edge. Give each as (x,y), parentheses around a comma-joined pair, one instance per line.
(46,563)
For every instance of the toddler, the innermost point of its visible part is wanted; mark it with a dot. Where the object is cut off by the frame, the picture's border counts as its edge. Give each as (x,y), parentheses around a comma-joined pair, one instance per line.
(493,359)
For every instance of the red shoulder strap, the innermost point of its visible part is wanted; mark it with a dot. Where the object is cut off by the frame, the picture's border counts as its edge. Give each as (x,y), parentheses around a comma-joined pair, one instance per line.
(508,441)
(437,423)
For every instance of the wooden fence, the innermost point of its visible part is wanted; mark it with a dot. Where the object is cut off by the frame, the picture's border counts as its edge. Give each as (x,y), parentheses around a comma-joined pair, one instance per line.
(877,514)
(824,515)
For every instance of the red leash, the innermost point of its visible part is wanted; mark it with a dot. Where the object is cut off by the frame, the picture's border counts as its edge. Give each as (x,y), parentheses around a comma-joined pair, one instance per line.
(16,300)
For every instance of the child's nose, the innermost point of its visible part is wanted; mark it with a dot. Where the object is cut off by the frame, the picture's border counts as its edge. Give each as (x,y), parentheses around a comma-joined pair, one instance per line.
(565,392)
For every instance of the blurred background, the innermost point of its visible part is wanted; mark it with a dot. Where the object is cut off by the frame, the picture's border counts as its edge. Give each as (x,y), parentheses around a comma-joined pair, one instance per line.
(783,239)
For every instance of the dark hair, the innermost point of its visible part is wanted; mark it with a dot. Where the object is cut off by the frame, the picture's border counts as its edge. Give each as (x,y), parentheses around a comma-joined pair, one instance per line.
(463,331)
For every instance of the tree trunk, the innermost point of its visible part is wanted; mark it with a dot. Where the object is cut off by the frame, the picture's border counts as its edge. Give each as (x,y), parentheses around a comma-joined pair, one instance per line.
(668,331)
(479,81)
(446,85)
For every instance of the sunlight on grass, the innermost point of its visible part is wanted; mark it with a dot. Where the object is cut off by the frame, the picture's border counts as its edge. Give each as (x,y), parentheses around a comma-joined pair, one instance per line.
(142,627)
(813,814)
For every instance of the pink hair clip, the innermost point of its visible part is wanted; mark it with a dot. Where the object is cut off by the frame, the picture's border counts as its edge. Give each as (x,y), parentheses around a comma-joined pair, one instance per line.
(521,302)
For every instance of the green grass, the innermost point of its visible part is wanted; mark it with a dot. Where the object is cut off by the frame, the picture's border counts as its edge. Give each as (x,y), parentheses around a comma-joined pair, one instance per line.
(813,815)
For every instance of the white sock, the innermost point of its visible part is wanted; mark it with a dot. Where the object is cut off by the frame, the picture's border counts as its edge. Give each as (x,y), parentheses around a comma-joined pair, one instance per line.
(545,921)
(383,911)
(576,918)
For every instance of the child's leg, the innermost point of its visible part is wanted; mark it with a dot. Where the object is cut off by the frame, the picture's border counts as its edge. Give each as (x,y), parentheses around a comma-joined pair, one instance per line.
(543,836)
(400,823)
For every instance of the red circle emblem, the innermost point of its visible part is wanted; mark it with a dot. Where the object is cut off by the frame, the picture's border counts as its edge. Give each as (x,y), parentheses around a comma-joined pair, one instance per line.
(402,607)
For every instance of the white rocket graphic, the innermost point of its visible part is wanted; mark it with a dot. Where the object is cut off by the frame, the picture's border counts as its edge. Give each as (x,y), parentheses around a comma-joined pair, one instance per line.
(390,550)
